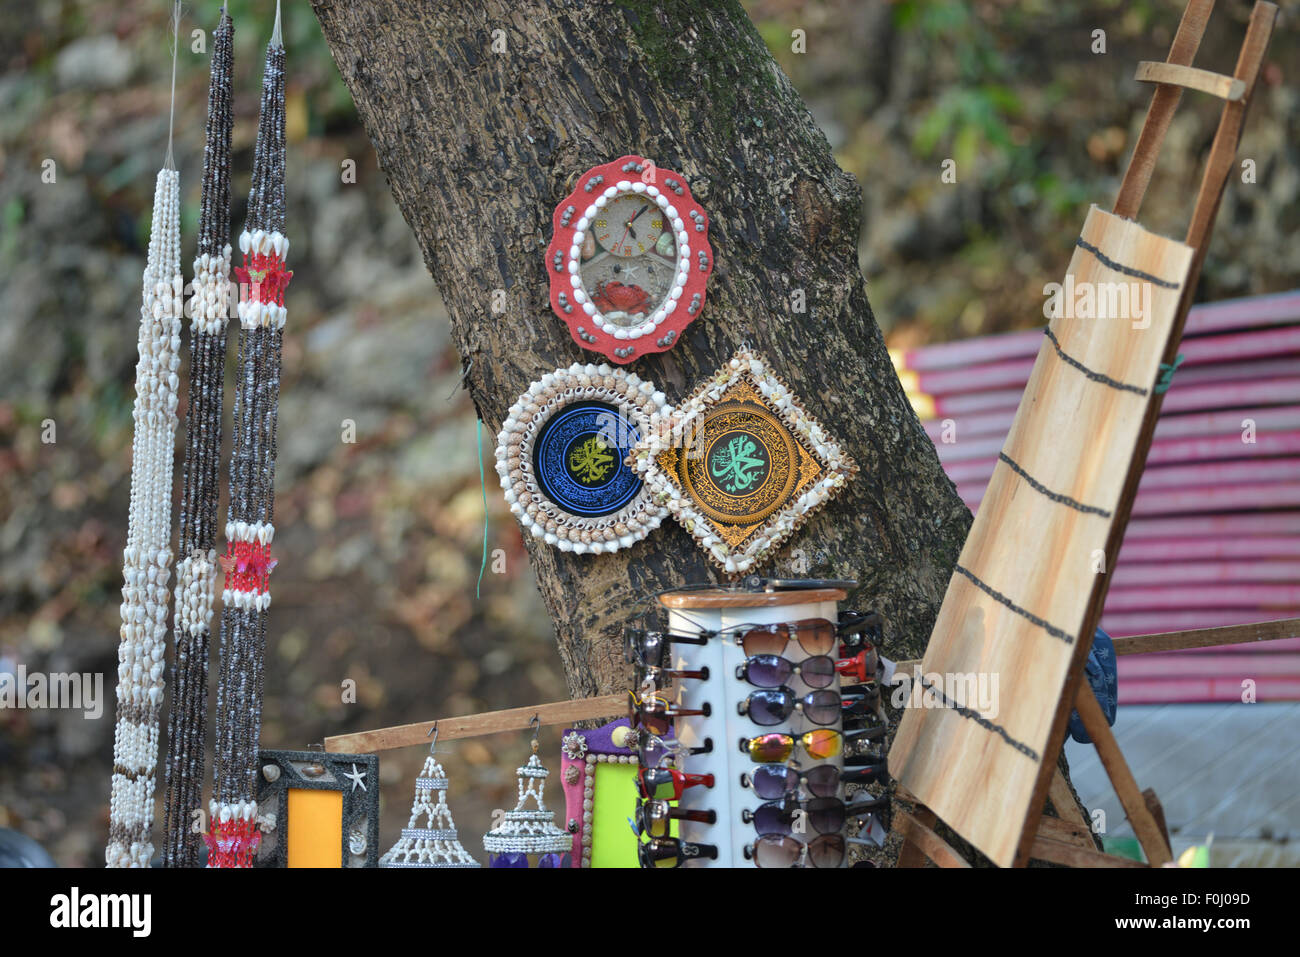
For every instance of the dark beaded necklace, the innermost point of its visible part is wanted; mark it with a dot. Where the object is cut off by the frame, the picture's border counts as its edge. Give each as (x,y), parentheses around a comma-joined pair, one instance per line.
(197,570)
(249,529)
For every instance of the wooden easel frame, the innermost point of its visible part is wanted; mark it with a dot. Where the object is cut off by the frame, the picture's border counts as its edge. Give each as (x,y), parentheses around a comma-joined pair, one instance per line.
(1055,839)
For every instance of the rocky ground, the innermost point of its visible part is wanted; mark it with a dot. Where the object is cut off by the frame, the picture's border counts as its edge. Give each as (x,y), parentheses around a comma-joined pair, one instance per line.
(381,539)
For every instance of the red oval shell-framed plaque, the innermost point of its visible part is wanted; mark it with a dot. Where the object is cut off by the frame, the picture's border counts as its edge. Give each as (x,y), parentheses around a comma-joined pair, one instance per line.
(629,259)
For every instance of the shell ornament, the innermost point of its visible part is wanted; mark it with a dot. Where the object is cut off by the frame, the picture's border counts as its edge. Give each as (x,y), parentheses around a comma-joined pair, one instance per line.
(629,259)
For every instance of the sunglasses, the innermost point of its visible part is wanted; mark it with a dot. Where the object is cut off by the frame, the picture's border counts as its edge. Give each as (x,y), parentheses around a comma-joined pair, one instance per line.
(860,668)
(655,817)
(653,750)
(867,689)
(660,677)
(775,706)
(866,759)
(775,781)
(671,852)
(667,784)
(825,815)
(859,707)
(656,715)
(867,726)
(816,636)
(866,773)
(776,747)
(772,671)
(860,629)
(650,648)
(779,850)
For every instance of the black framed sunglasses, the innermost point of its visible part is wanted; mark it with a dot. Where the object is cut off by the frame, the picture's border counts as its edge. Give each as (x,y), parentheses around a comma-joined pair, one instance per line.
(824,815)
(650,648)
(856,628)
(772,706)
(775,781)
(673,852)
(773,671)
(868,725)
(816,636)
(859,706)
(654,818)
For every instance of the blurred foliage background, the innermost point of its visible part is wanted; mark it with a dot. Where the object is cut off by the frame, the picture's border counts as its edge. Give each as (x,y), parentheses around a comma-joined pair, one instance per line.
(380,539)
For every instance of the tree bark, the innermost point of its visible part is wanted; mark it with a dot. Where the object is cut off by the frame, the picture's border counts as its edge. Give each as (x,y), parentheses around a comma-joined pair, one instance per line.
(483,114)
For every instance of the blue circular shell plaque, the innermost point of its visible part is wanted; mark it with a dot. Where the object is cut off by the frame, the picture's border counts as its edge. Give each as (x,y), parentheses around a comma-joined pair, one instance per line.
(561,456)
(579,457)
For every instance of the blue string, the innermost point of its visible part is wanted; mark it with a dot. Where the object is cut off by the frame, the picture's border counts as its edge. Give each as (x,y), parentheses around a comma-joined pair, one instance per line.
(483,488)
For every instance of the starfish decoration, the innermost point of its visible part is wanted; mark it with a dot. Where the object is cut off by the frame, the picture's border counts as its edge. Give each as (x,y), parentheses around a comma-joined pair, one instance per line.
(357,778)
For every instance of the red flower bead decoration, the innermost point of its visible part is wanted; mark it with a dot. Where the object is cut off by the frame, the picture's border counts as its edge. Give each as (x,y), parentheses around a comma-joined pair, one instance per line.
(265,276)
(232,843)
(629,259)
(248,566)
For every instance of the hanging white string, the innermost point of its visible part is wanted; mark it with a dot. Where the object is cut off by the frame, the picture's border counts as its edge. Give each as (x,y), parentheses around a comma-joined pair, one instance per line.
(171,119)
(276,40)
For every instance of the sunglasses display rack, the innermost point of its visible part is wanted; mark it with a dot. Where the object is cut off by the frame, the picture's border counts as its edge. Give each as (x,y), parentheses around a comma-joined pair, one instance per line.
(728,697)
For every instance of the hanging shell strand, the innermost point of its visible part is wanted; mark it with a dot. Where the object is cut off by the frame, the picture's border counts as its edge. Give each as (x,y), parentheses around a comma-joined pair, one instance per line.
(148,557)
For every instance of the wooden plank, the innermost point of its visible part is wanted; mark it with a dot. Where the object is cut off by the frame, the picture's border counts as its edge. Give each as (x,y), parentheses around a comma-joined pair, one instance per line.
(1157,812)
(727,598)
(926,841)
(1282,629)
(1189,77)
(1223,152)
(910,854)
(1164,101)
(1058,852)
(1015,608)
(1139,814)
(473,725)
(1064,804)
(1057,829)
(382,739)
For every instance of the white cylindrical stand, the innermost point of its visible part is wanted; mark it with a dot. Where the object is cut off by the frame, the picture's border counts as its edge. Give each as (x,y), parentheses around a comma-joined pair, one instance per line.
(690,612)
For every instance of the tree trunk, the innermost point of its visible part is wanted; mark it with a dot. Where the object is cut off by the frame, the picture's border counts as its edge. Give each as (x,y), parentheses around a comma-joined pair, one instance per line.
(482,116)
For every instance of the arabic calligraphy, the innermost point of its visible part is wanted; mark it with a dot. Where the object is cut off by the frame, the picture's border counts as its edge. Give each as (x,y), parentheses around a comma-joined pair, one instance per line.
(736,466)
(590,461)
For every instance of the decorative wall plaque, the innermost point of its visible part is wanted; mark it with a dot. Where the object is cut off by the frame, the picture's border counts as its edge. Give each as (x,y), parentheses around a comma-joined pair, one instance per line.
(629,259)
(561,458)
(741,465)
